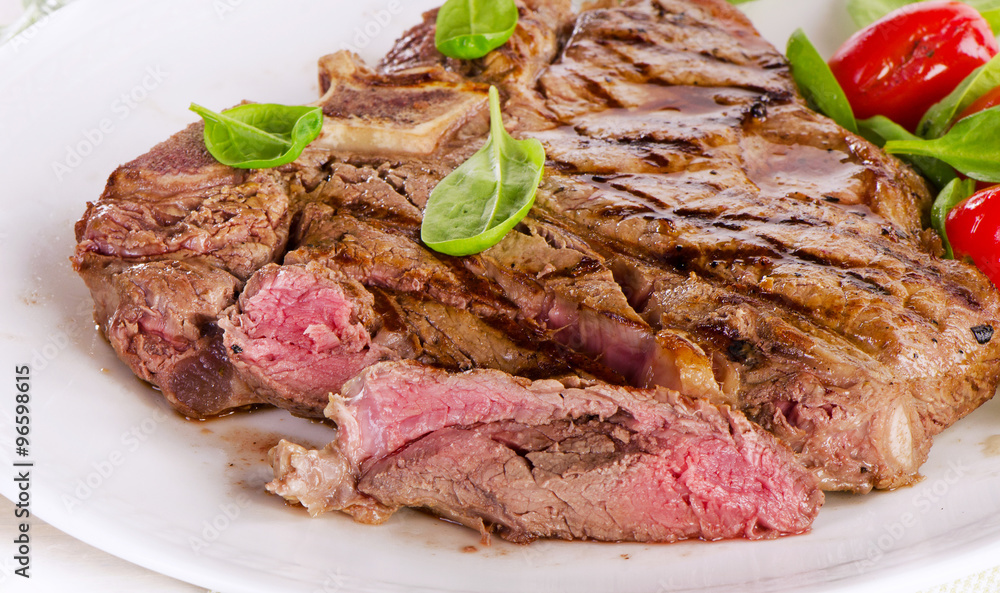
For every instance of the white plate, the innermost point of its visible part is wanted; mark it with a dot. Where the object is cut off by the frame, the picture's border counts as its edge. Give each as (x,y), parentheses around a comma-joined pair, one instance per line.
(100,83)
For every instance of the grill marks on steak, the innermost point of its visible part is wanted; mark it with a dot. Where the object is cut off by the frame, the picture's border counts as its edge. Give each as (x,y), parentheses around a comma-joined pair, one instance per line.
(569,459)
(824,312)
(665,43)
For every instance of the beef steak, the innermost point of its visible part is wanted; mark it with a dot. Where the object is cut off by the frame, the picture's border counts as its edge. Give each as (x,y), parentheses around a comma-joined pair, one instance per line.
(698,227)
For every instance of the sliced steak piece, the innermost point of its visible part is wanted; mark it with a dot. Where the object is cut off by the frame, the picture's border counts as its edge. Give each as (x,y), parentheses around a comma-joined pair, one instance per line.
(566,459)
(160,319)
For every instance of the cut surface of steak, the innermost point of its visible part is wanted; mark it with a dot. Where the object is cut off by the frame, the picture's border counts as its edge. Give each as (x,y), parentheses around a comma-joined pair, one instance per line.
(566,459)
(299,332)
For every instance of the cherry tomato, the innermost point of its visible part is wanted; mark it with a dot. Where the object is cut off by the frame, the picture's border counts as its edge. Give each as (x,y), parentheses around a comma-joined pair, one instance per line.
(973,228)
(912,58)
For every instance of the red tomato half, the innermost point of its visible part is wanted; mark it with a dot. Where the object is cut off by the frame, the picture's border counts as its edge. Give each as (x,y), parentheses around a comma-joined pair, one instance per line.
(912,58)
(973,228)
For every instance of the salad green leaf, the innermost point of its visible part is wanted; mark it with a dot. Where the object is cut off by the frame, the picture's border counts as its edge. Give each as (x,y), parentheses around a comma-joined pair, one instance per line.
(880,129)
(470,29)
(817,82)
(866,12)
(472,208)
(983,5)
(992,17)
(972,146)
(950,196)
(259,135)
(937,119)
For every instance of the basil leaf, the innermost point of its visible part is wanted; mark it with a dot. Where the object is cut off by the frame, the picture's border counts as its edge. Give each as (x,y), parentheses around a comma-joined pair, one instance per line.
(739,1)
(972,146)
(470,29)
(879,129)
(259,135)
(937,119)
(866,12)
(954,193)
(472,208)
(817,82)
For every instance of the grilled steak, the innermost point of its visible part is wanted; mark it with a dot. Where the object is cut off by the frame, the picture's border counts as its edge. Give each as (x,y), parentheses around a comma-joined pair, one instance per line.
(697,228)
(568,459)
